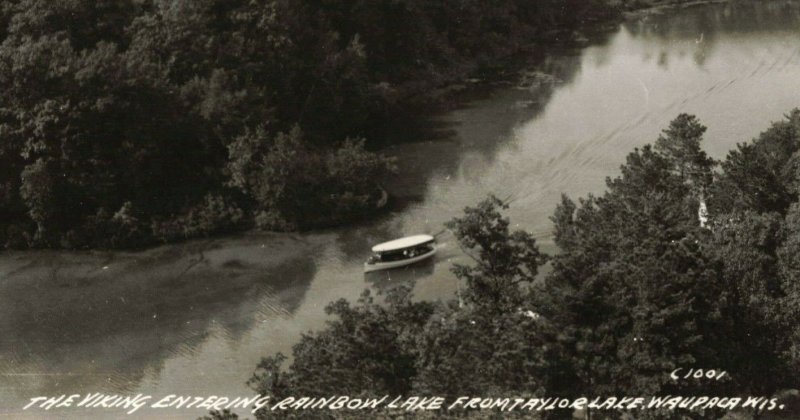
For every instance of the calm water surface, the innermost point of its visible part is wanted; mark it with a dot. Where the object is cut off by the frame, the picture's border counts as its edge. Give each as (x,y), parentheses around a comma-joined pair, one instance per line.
(194,319)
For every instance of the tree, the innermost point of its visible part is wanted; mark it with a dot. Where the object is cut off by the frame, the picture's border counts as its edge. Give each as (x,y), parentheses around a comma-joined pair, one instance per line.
(680,144)
(220,415)
(82,23)
(467,351)
(633,290)
(761,175)
(296,185)
(367,350)
(504,260)
(788,310)
(746,245)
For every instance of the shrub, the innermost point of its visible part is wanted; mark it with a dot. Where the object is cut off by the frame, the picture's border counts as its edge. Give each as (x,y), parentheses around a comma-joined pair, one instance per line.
(213,215)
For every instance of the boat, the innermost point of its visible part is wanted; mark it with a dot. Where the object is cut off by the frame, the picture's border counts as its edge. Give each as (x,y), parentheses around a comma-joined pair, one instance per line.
(401,252)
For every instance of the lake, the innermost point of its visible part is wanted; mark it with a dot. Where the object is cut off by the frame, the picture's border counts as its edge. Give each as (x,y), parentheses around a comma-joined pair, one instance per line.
(195,318)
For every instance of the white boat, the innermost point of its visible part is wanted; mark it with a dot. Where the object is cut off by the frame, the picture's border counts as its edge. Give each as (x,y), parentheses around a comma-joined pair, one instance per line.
(401,252)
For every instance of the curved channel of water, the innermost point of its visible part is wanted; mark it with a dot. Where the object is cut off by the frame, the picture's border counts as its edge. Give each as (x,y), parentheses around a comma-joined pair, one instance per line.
(194,319)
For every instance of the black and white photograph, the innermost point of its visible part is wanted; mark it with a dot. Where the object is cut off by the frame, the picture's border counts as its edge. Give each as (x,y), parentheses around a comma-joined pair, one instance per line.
(400,209)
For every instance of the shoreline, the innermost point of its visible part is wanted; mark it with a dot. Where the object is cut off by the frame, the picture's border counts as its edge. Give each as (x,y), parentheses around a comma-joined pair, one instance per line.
(660,8)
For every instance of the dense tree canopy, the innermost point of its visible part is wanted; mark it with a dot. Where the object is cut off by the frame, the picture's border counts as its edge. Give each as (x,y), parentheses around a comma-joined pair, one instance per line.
(644,289)
(148,108)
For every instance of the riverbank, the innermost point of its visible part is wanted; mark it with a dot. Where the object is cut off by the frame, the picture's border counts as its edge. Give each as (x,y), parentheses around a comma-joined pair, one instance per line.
(646,8)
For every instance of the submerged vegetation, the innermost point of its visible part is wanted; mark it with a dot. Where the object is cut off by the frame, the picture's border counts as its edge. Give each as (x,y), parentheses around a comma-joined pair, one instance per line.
(129,122)
(638,289)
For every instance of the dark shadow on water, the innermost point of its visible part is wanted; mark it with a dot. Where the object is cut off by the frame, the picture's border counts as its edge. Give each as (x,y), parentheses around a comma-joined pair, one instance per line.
(86,330)
(736,17)
(697,30)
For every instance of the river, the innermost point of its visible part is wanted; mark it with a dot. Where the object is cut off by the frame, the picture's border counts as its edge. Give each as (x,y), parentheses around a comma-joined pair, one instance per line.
(195,318)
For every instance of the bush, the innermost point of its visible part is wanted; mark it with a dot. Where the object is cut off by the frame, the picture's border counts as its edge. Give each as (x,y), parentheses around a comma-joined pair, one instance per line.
(297,186)
(213,215)
(17,237)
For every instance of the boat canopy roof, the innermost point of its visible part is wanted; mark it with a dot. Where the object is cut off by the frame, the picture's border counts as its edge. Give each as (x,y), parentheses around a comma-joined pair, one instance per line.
(403,243)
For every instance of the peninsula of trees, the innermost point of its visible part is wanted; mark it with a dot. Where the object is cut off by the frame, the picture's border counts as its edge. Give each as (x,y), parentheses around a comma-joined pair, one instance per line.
(130,122)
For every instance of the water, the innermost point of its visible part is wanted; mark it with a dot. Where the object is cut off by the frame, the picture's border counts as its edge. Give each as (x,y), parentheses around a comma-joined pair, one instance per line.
(195,319)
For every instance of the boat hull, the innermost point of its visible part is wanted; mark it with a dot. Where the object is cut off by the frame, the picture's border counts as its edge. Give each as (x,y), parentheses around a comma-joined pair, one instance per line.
(396,264)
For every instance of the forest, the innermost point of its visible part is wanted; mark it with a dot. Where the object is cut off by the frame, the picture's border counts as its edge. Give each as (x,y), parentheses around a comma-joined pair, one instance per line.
(126,123)
(640,287)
